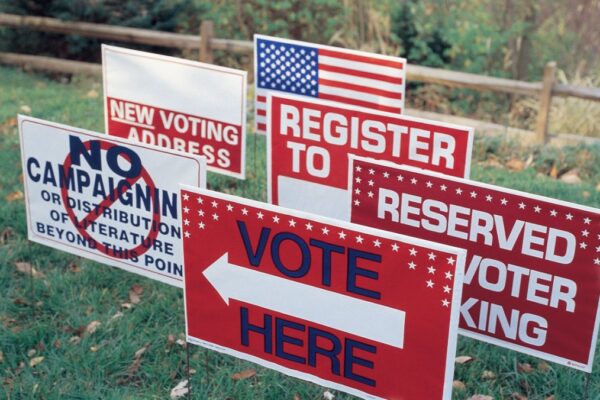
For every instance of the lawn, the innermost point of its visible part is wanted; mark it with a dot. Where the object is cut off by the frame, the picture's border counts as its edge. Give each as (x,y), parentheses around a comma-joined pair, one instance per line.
(81,330)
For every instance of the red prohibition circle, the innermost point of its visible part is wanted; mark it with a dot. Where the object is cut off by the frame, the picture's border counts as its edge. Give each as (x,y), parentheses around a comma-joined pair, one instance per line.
(106,202)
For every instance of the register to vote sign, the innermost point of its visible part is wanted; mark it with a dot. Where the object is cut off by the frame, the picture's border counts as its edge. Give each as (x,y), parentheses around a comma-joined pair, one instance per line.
(309,140)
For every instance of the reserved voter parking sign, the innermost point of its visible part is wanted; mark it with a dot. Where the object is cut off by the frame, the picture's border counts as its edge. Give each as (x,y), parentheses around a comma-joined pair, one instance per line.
(364,311)
(107,199)
(308,143)
(532,278)
(178,104)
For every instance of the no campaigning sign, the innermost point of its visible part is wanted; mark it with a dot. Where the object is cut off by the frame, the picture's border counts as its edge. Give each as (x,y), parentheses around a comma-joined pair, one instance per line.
(178,104)
(107,199)
(532,278)
(346,306)
(309,140)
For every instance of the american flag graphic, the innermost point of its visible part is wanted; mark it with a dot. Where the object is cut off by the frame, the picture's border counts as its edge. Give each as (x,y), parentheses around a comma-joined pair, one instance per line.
(347,76)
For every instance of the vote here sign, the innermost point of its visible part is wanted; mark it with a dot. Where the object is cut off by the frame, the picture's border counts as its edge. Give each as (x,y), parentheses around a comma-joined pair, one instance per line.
(354,308)
(308,143)
(178,104)
(107,199)
(532,279)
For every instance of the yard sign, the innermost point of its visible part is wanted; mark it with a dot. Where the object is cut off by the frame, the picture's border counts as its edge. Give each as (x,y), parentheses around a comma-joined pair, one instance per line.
(308,144)
(312,70)
(532,280)
(368,312)
(177,104)
(107,199)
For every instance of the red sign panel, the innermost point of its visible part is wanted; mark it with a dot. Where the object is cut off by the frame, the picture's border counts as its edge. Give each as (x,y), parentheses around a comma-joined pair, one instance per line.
(346,306)
(309,142)
(532,278)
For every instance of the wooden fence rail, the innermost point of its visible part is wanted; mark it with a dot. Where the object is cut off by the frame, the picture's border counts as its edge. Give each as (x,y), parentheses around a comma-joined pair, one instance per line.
(205,43)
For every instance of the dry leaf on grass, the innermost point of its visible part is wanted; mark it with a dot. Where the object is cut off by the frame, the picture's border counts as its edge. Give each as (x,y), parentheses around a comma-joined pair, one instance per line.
(135,292)
(6,234)
(31,352)
(35,361)
(487,374)
(480,397)
(571,176)
(25,109)
(328,395)
(463,359)
(297,397)
(92,94)
(524,367)
(92,327)
(180,390)
(458,385)
(117,315)
(27,269)
(518,396)
(245,374)
(598,187)
(57,344)
(551,397)
(74,267)
(524,385)
(14,196)
(1,357)
(9,123)
(514,164)
(553,172)
(127,305)
(543,366)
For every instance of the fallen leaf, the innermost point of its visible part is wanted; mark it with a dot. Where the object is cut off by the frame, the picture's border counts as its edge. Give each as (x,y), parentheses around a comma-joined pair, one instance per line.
(9,123)
(514,164)
(25,109)
(551,397)
(92,94)
(5,235)
(297,397)
(57,344)
(127,305)
(1,357)
(27,269)
(75,340)
(543,366)
(529,161)
(40,346)
(35,361)
(598,187)
(179,390)
(487,374)
(141,351)
(31,352)
(92,327)
(245,374)
(134,293)
(181,342)
(524,385)
(571,176)
(20,368)
(458,385)
(463,359)
(117,315)
(586,194)
(73,267)
(328,395)
(554,172)
(171,339)
(518,396)
(525,368)
(480,397)
(93,349)
(14,196)
(21,302)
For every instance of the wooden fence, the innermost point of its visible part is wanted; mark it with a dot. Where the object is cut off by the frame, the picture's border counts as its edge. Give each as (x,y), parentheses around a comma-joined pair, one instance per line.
(205,43)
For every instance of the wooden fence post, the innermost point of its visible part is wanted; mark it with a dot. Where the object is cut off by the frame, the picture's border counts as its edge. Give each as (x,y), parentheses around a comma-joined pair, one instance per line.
(206,35)
(541,127)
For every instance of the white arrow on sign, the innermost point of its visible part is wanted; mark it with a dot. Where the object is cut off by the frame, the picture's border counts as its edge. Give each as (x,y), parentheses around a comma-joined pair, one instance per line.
(358,317)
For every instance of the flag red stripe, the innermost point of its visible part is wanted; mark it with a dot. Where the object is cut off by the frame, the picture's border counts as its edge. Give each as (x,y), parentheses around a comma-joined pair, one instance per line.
(360,103)
(359,58)
(362,74)
(261,127)
(261,99)
(360,88)
(261,111)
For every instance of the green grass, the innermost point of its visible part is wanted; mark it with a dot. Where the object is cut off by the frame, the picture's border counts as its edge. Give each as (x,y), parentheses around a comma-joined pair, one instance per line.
(42,315)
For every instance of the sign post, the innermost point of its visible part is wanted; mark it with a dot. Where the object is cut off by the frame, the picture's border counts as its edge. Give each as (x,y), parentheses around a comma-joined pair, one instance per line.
(107,199)
(532,278)
(178,104)
(308,143)
(342,305)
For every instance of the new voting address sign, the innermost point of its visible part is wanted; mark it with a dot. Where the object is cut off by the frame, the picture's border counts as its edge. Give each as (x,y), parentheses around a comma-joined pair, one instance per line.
(361,310)
(308,143)
(178,104)
(532,279)
(108,199)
